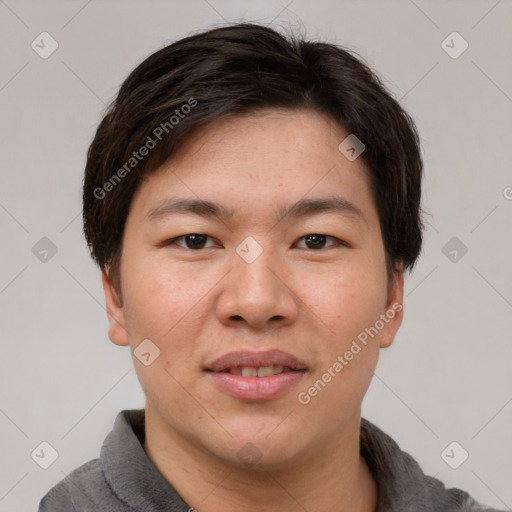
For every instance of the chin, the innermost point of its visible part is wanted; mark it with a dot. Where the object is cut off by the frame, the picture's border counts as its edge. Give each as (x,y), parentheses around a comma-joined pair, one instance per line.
(274,449)
(252,457)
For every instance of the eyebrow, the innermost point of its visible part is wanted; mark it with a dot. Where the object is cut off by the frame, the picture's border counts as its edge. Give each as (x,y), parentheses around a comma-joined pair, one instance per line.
(300,209)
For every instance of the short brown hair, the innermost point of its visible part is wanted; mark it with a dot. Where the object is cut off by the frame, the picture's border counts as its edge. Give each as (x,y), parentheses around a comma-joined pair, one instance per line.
(239,69)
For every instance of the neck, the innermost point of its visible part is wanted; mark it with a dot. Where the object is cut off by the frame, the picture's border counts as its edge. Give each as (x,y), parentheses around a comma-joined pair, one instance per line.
(335,477)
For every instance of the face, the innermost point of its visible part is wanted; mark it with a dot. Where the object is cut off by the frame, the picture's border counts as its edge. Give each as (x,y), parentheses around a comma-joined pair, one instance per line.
(253,261)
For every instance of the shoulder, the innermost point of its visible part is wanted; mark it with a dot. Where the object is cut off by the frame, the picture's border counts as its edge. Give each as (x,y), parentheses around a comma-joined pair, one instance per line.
(83,490)
(402,483)
(89,487)
(451,500)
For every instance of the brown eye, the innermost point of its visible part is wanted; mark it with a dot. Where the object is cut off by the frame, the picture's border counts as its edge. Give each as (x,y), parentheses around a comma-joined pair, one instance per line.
(316,241)
(194,241)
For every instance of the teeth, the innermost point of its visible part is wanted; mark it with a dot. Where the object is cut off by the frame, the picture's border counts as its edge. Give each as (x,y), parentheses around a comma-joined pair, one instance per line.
(262,371)
(265,371)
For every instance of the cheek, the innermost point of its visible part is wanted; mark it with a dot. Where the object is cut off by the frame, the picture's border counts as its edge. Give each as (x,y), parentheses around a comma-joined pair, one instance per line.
(160,301)
(346,301)
(165,307)
(347,348)
(349,306)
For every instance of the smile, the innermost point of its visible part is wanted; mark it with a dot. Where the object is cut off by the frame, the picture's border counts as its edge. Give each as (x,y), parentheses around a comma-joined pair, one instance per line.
(262,371)
(256,376)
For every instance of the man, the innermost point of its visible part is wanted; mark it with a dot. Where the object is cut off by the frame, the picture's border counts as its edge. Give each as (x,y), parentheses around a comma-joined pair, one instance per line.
(253,203)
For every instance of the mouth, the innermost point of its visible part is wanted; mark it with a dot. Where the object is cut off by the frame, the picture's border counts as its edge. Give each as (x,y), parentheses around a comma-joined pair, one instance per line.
(256,376)
(262,371)
(269,362)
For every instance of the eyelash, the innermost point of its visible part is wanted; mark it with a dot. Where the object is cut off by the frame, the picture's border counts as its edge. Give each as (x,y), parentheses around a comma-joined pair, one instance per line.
(173,241)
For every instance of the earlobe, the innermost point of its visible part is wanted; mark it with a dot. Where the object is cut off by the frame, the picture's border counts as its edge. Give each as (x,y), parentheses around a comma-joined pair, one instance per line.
(115,312)
(394,309)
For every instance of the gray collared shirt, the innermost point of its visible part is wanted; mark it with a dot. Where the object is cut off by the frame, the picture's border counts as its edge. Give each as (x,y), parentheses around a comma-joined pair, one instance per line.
(123,478)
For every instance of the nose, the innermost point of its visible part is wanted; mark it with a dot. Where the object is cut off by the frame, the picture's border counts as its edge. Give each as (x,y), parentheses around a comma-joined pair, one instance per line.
(257,294)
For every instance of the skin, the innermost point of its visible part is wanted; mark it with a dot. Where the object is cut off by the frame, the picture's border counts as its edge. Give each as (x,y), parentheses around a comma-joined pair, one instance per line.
(198,304)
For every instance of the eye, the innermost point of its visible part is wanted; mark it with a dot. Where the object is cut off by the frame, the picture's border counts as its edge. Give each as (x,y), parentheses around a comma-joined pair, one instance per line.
(193,241)
(318,241)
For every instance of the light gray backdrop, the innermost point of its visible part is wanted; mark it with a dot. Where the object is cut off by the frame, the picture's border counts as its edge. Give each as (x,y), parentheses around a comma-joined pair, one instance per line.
(447,377)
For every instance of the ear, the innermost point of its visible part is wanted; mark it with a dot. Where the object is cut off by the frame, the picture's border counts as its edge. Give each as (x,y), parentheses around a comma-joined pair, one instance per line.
(394,311)
(115,313)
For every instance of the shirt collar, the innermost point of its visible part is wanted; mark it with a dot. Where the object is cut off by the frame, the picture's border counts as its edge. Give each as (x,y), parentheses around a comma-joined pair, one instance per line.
(138,483)
(401,482)
(129,471)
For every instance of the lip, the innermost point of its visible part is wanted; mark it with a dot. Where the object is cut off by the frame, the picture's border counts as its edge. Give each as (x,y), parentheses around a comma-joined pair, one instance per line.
(256,389)
(255,360)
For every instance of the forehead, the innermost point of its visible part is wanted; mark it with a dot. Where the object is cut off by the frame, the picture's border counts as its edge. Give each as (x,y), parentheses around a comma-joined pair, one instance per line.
(268,134)
(268,159)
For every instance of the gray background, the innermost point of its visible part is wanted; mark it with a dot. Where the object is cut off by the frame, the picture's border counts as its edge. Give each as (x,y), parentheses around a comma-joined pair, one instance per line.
(447,377)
